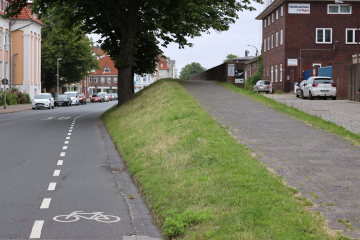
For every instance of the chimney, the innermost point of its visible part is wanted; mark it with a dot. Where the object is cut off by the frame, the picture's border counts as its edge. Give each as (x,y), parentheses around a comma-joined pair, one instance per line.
(246,53)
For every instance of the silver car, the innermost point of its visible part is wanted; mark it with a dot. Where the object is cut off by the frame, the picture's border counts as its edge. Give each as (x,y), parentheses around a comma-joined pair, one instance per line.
(262,86)
(299,89)
(319,87)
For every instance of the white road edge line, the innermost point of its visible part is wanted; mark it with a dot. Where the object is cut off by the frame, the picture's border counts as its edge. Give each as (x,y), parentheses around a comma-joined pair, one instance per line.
(60,162)
(45,203)
(52,186)
(36,230)
(62,154)
(56,173)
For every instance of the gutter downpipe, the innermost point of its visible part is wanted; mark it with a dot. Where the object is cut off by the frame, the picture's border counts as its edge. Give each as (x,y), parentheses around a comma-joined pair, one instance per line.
(10,31)
(313,50)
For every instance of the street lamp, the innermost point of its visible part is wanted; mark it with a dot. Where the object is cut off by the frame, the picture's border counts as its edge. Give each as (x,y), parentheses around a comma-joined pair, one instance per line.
(5,79)
(357,29)
(58,75)
(255,48)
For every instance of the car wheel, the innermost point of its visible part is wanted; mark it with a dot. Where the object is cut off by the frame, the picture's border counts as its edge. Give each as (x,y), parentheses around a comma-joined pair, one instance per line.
(53,106)
(49,107)
(333,98)
(297,95)
(267,92)
(310,96)
(33,108)
(85,102)
(68,104)
(302,95)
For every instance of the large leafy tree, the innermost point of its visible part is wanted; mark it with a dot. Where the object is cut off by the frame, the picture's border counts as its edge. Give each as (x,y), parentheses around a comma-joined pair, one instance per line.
(69,44)
(190,70)
(229,57)
(131,28)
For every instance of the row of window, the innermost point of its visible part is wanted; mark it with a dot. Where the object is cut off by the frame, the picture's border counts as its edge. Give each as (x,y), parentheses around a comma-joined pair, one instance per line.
(278,73)
(272,16)
(102,79)
(324,35)
(271,43)
(137,78)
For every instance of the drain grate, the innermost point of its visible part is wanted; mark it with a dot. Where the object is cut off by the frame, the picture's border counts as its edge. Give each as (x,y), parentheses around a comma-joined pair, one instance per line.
(115,169)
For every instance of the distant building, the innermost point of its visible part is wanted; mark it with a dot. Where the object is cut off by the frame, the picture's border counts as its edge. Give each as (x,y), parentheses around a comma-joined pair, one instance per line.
(165,68)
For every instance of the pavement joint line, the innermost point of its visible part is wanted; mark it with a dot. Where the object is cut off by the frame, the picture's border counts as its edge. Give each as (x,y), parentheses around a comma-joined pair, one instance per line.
(56,173)
(45,203)
(64,147)
(62,154)
(52,186)
(36,230)
(60,162)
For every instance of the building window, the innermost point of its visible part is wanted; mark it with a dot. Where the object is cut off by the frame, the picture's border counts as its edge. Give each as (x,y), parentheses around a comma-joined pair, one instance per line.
(1,40)
(109,80)
(6,41)
(351,35)
(265,23)
(102,79)
(272,41)
(268,20)
(324,35)
(264,45)
(268,43)
(277,14)
(267,71)
(276,73)
(106,69)
(115,79)
(281,11)
(339,9)
(272,17)
(272,73)
(281,37)
(161,65)
(1,69)
(96,80)
(144,79)
(90,79)
(276,39)
(280,75)
(149,78)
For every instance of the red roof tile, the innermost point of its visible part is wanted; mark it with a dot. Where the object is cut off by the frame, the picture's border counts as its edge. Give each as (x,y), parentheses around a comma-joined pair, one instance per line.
(26,14)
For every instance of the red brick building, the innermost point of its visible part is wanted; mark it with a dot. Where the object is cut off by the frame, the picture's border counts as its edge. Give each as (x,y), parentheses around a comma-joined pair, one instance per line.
(297,36)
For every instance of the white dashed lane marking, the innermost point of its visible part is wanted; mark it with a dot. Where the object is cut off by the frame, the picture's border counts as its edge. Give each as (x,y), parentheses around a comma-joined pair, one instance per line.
(66,142)
(36,230)
(56,173)
(62,154)
(60,162)
(67,137)
(64,147)
(45,203)
(52,186)
(69,133)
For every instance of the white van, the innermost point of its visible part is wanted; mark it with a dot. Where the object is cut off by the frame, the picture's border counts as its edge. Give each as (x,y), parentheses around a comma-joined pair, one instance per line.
(74,97)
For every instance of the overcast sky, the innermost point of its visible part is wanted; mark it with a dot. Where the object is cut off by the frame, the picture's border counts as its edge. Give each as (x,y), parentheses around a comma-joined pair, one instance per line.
(211,49)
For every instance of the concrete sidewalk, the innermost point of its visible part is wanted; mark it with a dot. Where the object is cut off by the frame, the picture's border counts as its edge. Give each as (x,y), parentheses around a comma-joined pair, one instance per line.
(15,108)
(322,166)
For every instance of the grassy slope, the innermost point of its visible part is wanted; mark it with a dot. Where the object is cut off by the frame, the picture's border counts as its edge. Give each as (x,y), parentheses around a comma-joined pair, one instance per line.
(183,159)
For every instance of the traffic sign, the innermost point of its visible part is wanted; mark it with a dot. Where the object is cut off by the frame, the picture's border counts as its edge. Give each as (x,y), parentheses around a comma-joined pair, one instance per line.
(5,81)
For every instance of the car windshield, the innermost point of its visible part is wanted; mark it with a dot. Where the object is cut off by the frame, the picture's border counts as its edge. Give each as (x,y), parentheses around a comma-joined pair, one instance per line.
(265,82)
(72,94)
(95,95)
(62,96)
(323,80)
(42,96)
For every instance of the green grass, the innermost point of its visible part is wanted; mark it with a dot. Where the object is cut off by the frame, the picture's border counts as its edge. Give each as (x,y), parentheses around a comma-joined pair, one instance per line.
(294,112)
(185,163)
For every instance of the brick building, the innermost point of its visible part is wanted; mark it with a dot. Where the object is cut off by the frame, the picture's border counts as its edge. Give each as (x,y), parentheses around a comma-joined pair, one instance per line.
(251,67)
(298,36)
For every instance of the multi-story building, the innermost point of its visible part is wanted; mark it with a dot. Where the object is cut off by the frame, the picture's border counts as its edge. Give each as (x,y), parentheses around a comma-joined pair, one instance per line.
(142,81)
(20,50)
(302,35)
(165,68)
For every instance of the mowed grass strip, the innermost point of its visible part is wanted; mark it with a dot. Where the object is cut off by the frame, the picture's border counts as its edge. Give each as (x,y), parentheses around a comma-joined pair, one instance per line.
(184,160)
(294,112)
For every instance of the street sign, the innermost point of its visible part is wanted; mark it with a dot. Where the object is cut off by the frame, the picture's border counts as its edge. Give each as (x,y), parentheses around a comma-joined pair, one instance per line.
(5,81)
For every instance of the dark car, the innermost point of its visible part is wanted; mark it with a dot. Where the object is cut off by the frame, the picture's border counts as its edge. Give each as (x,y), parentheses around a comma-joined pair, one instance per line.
(62,100)
(82,99)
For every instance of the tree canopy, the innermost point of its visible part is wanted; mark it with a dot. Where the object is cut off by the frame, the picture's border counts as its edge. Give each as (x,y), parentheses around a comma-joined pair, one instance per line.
(190,70)
(229,57)
(131,29)
(70,45)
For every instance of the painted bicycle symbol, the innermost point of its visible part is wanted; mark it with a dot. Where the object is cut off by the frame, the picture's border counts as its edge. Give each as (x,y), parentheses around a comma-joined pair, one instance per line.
(97,216)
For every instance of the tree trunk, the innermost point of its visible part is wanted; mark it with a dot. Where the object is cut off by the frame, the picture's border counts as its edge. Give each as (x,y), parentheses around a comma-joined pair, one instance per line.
(125,84)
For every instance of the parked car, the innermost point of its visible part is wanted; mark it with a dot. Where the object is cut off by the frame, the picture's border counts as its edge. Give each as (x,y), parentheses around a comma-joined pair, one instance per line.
(115,96)
(82,98)
(62,100)
(43,100)
(262,86)
(74,98)
(96,98)
(299,89)
(106,97)
(320,87)
(110,96)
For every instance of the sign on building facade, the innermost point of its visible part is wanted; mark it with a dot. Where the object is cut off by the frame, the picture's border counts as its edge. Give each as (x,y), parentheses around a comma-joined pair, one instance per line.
(231,70)
(292,62)
(239,76)
(299,8)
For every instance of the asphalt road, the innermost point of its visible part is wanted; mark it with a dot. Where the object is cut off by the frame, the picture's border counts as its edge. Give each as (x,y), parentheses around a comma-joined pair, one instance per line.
(50,165)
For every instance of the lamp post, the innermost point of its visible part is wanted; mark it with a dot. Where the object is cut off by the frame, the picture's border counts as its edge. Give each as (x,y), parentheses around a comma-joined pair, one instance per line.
(255,48)
(5,79)
(357,29)
(58,75)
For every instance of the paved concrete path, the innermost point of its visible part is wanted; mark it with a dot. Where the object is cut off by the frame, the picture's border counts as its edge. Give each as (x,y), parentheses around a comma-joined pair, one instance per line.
(322,166)
(341,112)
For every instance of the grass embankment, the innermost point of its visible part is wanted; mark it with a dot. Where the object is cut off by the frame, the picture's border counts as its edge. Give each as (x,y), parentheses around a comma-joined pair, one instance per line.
(193,173)
(294,112)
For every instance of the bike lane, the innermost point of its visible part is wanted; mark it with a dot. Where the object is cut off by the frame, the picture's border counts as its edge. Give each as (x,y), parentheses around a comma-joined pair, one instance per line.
(79,183)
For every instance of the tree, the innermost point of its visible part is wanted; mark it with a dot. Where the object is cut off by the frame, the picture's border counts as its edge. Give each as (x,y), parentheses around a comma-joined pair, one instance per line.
(70,45)
(131,28)
(229,57)
(190,70)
